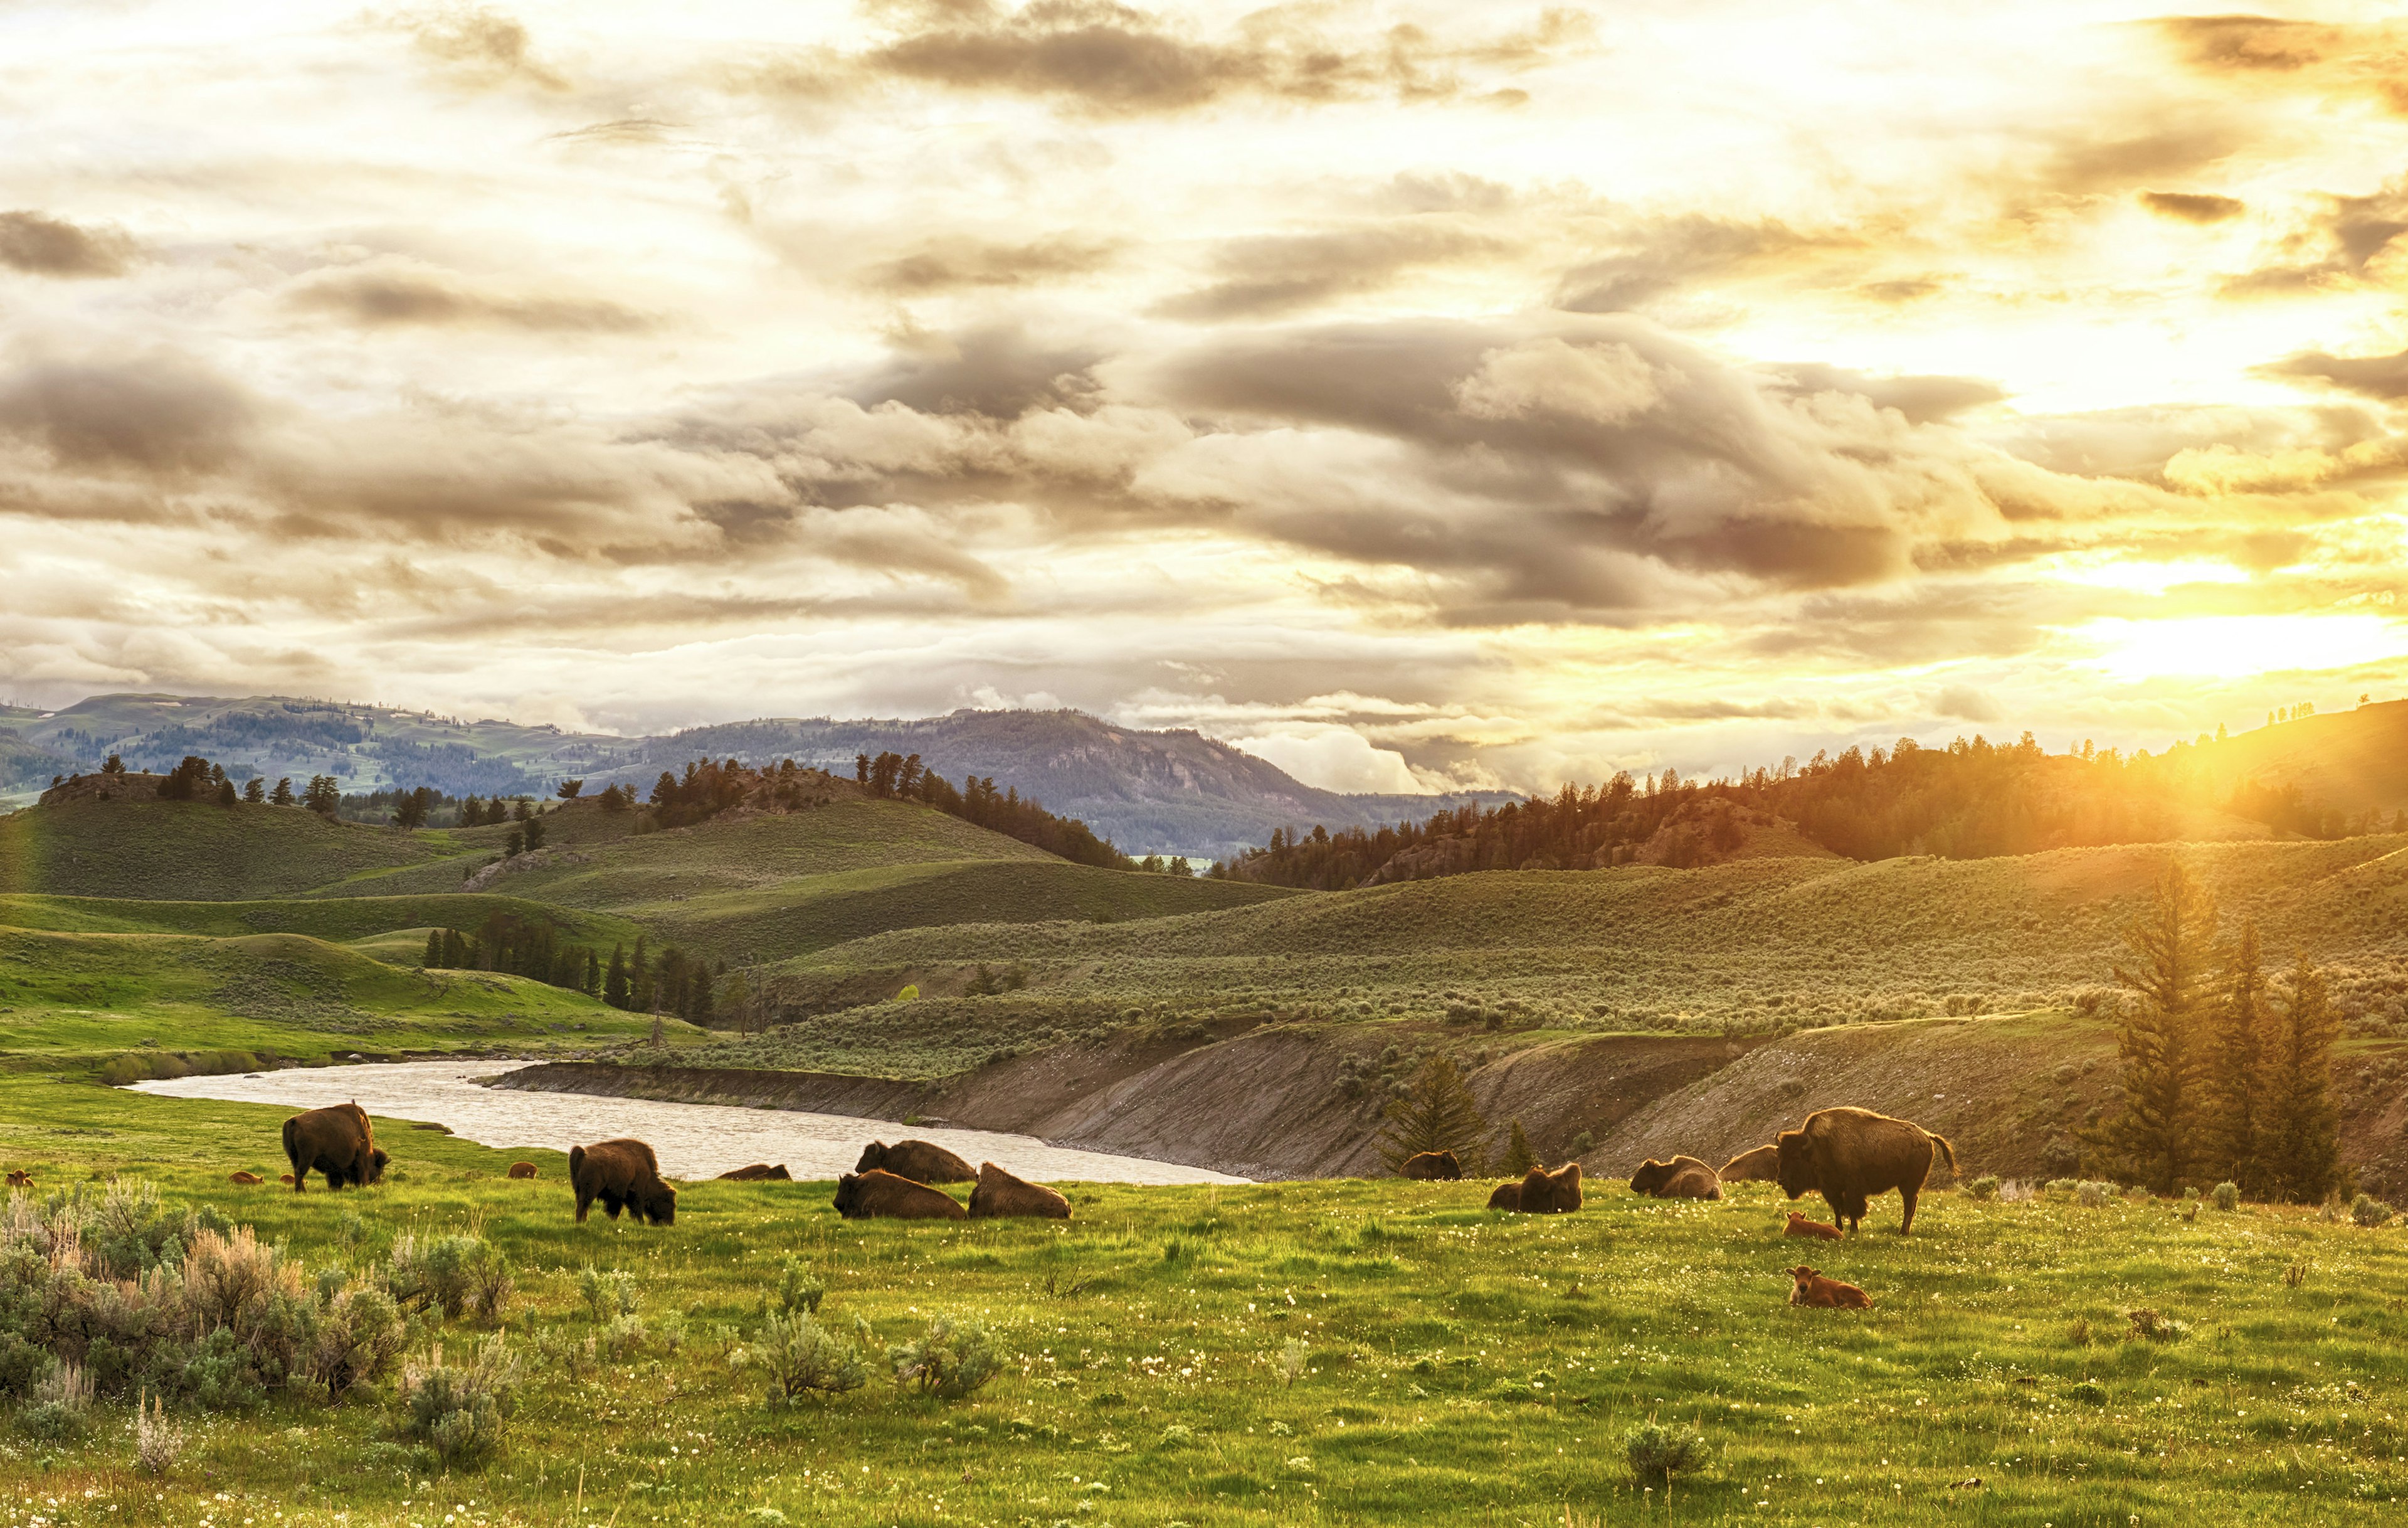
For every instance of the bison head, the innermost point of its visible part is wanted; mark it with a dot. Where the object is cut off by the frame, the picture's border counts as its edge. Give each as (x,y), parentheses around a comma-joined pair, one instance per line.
(1796,1171)
(656,1201)
(848,1195)
(378,1157)
(873,1157)
(1652,1175)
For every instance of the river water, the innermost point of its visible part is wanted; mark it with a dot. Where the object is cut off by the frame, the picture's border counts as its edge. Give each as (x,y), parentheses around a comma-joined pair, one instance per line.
(693,1140)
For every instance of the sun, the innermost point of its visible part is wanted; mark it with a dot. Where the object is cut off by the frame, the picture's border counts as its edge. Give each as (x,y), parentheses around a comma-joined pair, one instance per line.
(2239,645)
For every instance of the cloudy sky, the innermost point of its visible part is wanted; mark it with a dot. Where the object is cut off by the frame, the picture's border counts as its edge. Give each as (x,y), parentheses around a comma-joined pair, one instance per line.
(1420,394)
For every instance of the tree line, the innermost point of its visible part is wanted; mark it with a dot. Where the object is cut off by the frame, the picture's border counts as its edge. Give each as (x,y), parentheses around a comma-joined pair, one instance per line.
(1971,800)
(2226,1076)
(901,778)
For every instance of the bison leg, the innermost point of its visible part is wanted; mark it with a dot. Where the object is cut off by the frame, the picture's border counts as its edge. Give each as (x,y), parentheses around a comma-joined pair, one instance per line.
(333,1178)
(1907,1222)
(612,1203)
(585,1202)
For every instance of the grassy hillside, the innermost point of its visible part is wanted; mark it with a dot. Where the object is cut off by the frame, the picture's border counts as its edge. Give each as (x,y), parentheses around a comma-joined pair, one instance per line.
(1339,1352)
(74,998)
(189,851)
(1753,945)
(338,920)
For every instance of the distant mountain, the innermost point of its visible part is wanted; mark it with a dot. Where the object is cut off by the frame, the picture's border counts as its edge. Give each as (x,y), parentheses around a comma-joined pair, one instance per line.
(1150,792)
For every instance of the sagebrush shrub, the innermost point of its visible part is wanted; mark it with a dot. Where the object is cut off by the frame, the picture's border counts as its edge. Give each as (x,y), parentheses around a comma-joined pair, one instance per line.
(798,1290)
(2367,1210)
(608,1294)
(953,1359)
(458,1275)
(158,1443)
(1984,1188)
(2226,1196)
(805,1357)
(461,1411)
(1656,1453)
(360,1334)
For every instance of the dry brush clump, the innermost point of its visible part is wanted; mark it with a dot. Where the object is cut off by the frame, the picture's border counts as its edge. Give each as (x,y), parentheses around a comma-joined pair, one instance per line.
(460,1411)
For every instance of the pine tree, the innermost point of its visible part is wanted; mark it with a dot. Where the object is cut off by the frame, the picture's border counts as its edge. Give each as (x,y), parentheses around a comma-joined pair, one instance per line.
(434,960)
(254,790)
(515,844)
(1437,1113)
(534,834)
(2232,1082)
(615,981)
(644,988)
(591,982)
(112,765)
(1519,1158)
(282,794)
(2159,1043)
(2300,1143)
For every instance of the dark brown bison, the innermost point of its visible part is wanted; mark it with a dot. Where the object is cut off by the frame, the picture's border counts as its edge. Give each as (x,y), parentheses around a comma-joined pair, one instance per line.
(1800,1226)
(758,1172)
(999,1194)
(522,1169)
(860,1196)
(335,1140)
(1432,1167)
(245,1178)
(624,1175)
(1541,1192)
(922,1161)
(1683,1177)
(1850,1155)
(1761,1165)
(1813,1289)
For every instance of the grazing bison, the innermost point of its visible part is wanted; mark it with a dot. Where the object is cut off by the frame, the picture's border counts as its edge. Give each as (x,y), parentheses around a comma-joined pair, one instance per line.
(245,1178)
(1850,1155)
(20,1179)
(1432,1167)
(1800,1226)
(335,1140)
(922,1161)
(1813,1289)
(758,1172)
(860,1196)
(622,1175)
(522,1169)
(1762,1164)
(1541,1192)
(999,1194)
(1683,1177)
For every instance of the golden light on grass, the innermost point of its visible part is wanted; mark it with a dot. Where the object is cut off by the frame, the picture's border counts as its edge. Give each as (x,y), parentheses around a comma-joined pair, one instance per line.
(2241,644)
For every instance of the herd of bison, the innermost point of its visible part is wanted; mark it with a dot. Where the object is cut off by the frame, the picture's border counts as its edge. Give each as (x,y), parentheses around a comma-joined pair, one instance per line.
(1848,1155)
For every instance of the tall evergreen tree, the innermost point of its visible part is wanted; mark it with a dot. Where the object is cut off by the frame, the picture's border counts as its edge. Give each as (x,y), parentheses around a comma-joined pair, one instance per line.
(1519,1158)
(592,985)
(2168,974)
(2233,1081)
(254,790)
(2301,1139)
(614,980)
(1437,1113)
(434,960)
(643,989)
(282,794)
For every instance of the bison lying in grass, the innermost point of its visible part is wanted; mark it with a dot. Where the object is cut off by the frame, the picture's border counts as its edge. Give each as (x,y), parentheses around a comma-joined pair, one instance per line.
(999,1194)
(1813,1289)
(1759,1164)
(1683,1177)
(1850,1155)
(1800,1226)
(1541,1192)
(1432,1167)
(757,1173)
(922,1161)
(878,1194)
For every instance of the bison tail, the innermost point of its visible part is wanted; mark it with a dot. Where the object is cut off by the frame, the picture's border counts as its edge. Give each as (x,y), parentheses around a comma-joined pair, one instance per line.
(577,1160)
(1946,1150)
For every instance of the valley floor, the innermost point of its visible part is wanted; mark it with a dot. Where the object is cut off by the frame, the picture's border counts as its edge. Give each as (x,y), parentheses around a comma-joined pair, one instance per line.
(1334,1352)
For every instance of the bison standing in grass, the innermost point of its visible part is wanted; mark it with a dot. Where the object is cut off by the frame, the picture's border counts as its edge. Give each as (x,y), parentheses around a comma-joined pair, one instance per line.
(1850,1155)
(624,1175)
(922,1161)
(1683,1177)
(335,1140)
(999,1194)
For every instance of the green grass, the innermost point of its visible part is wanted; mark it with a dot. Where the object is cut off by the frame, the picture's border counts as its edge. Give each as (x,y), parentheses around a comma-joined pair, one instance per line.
(181,849)
(1458,1367)
(80,997)
(344,920)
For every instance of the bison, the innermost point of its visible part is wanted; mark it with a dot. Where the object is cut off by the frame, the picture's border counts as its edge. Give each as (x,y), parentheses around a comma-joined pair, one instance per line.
(1431,1167)
(1850,1155)
(1800,1226)
(20,1179)
(1541,1192)
(1683,1177)
(522,1169)
(337,1141)
(861,1196)
(1762,1164)
(999,1194)
(922,1161)
(245,1178)
(758,1172)
(624,1175)
(1813,1289)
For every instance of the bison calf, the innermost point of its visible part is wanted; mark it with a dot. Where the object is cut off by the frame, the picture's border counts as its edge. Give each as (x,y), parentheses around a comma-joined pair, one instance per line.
(245,1178)
(20,1179)
(1813,1289)
(999,1194)
(922,1161)
(1800,1226)
(878,1194)
(1683,1177)
(337,1141)
(622,1175)
(522,1169)
(1432,1167)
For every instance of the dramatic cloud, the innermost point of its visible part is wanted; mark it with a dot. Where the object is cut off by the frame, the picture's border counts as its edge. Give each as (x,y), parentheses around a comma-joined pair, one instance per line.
(381,293)
(950,265)
(1262,278)
(2383,377)
(480,47)
(2193,207)
(47,246)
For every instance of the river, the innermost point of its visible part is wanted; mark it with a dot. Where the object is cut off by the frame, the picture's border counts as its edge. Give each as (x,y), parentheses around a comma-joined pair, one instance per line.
(693,1140)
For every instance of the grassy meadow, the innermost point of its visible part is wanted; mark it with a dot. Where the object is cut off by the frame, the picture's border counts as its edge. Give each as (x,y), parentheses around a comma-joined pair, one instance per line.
(1322,1352)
